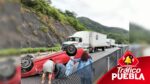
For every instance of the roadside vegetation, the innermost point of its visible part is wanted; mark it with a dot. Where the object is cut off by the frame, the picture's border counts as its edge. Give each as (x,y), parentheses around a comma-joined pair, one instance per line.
(17,52)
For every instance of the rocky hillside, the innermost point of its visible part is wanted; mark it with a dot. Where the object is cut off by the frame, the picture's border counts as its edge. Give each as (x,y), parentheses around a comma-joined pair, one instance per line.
(21,27)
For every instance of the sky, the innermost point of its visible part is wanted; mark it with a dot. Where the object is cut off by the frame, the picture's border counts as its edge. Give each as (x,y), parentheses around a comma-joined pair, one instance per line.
(140,12)
(114,13)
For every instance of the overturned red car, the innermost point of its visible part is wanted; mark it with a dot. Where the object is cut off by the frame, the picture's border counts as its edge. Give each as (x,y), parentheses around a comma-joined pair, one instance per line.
(30,66)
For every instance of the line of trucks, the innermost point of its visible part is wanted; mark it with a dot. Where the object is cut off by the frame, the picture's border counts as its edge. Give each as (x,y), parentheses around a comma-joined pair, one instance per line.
(89,41)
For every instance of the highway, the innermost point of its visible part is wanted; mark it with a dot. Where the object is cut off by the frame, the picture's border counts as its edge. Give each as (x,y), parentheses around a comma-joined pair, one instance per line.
(97,55)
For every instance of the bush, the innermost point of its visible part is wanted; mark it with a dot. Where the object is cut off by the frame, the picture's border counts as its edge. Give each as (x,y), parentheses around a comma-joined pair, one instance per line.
(75,23)
(9,52)
(71,14)
(29,3)
(44,29)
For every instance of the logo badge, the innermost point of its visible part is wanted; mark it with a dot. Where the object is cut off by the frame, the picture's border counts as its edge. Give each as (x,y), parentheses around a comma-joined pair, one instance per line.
(128,69)
(128,59)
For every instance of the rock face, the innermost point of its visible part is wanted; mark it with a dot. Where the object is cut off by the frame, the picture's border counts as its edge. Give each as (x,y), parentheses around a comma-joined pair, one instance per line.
(21,28)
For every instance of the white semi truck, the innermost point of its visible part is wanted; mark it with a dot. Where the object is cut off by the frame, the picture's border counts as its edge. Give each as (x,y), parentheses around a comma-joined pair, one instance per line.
(111,42)
(87,40)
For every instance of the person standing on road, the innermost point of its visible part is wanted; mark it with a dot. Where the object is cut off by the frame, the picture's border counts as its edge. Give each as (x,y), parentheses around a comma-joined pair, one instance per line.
(48,68)
(85,69)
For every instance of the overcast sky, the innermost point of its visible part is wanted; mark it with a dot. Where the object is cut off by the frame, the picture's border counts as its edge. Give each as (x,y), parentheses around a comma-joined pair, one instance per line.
(116,13)
(140,12)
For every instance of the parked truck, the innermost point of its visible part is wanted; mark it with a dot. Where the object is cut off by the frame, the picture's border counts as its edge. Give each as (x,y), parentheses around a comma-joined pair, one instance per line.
(111,42)
(88,40)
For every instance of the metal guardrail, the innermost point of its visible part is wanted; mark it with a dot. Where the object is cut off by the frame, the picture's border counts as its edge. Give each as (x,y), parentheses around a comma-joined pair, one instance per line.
(101,66)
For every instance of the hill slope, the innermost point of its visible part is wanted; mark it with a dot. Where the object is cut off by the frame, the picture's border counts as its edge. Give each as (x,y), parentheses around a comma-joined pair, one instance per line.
(138,34)
(120,35)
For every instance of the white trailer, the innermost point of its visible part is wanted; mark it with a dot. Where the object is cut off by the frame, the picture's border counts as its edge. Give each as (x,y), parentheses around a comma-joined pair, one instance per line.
(111,42)
(87,40)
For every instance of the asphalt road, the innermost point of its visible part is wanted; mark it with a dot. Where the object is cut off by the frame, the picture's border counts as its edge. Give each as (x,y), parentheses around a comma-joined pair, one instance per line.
(97,55)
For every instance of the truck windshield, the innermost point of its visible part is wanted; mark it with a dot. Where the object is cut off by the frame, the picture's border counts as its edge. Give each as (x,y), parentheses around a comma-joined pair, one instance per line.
(74,39)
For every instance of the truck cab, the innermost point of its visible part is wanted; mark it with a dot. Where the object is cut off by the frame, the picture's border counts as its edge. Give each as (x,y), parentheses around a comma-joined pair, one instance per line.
(76,41)
(88,40)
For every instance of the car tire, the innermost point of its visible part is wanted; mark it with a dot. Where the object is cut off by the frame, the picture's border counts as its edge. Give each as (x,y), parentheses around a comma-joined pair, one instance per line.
(71,50)
(26,63)
(7,71)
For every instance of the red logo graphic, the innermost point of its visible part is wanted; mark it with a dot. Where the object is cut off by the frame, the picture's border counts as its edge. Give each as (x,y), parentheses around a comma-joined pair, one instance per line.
(128,59)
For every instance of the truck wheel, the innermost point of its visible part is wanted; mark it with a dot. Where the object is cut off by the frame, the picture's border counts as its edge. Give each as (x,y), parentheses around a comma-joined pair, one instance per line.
(71,50)
(96,49)
(26,63)
(7,71)
(103,48)
(91,50)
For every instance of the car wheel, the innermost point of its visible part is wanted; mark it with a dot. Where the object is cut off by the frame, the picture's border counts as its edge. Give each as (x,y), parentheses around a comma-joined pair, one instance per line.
(71,50)
(103,48)
(26,63)
(7,71)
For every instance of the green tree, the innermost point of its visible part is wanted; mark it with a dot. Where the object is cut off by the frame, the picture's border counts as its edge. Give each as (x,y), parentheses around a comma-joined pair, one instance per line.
(71,14)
